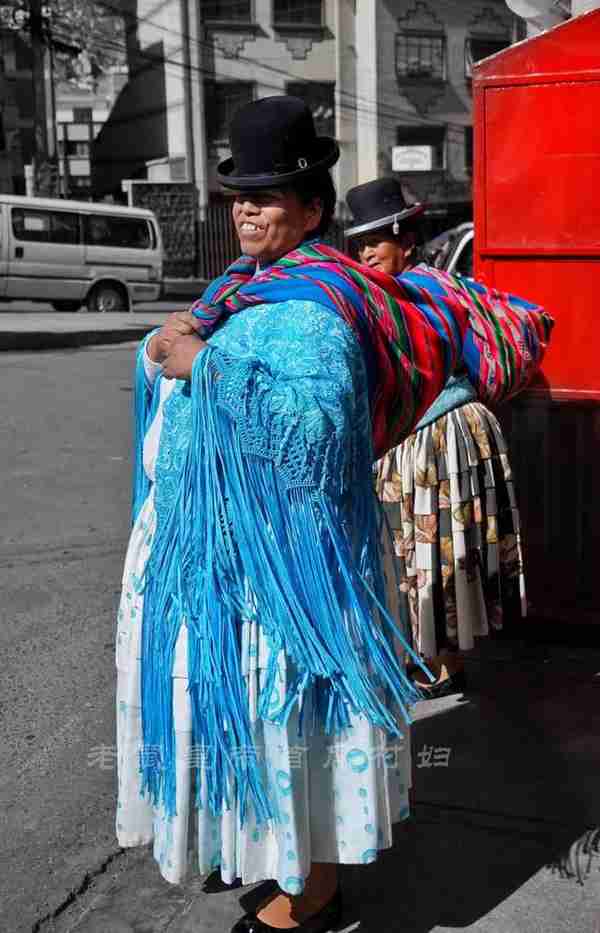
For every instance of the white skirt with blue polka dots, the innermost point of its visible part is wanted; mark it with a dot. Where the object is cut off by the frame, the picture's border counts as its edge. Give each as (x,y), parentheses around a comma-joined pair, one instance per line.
(337,797)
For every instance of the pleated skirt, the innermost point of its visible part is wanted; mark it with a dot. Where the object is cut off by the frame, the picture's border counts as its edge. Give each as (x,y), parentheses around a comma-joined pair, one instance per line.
(448,495)
(335,797)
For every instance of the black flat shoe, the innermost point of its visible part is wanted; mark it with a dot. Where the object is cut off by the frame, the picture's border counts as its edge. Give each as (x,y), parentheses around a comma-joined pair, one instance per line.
(455,683)
(413,671)
(214,884)
(322,922)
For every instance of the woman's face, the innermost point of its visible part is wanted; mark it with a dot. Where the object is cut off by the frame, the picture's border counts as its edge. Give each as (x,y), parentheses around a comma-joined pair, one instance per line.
(386,253)
(273,221)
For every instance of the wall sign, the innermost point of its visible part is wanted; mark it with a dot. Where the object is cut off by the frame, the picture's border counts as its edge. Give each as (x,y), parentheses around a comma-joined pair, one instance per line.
(412,158)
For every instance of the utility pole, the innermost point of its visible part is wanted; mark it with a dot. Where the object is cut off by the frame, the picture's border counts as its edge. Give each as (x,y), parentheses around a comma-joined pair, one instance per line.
(44,169)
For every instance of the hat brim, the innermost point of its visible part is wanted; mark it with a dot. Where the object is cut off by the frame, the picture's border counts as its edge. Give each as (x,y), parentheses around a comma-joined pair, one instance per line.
(325,153)
(413,211)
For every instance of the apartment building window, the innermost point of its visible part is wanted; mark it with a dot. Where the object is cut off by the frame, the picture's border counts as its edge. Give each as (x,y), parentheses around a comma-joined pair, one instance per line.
(227,11)
(77,148)
(223,99)
(420,148)
(319,96)
(420,56)
(81,183)
(478,47)
(82,114)
(297,12)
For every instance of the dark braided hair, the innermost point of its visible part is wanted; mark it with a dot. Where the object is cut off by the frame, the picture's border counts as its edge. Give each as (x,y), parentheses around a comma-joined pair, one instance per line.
(317,186)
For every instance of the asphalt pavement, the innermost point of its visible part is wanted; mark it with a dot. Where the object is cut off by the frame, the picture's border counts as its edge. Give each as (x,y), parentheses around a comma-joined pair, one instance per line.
(505,832)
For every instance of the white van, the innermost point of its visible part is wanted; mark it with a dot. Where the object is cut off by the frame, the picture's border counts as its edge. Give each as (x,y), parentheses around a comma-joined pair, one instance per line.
(71,253)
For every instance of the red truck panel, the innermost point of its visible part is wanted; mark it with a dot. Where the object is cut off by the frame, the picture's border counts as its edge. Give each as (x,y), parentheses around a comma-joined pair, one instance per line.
(537,188)
(536,194)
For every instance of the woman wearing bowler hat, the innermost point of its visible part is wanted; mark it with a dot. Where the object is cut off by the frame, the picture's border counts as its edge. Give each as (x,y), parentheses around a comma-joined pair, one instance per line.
(261,700)
(447,489)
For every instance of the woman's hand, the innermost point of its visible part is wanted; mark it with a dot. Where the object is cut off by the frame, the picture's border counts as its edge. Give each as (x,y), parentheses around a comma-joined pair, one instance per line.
(178,324)
(180,358)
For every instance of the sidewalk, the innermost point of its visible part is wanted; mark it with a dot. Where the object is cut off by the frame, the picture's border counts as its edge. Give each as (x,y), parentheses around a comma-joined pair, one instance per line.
(27,330)
(47,330)
(182,289)
(504,837)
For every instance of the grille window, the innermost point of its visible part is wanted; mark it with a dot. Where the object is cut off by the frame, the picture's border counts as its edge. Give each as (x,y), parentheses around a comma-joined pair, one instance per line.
(298,12)
(234,11)
(477,48)
(223,99)
(319,96)
(420,56)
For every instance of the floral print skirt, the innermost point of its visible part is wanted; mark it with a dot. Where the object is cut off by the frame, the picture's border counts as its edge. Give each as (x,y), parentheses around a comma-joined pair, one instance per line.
(448,495)
(335,797)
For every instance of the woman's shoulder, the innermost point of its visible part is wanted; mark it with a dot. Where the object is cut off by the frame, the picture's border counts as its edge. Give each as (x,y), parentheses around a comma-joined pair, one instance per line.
(287,321)
(295,337)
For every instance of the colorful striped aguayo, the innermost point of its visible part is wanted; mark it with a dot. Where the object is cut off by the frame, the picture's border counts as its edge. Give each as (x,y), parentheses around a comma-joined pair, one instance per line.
(413,337)
(506,337)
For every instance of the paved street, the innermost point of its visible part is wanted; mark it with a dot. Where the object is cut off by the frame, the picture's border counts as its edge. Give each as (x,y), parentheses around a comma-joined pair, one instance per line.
(502,839)
(64,489)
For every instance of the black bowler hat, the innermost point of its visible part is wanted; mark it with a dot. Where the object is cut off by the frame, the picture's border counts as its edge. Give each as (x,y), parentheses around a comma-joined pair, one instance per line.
(378,204)
(273,142)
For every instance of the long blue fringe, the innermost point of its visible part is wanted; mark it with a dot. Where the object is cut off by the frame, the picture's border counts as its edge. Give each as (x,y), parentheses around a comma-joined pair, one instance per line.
(241,543)
(145,404)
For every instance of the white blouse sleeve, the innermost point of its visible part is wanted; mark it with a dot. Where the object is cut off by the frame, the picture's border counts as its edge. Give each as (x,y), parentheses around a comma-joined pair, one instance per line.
(151,369)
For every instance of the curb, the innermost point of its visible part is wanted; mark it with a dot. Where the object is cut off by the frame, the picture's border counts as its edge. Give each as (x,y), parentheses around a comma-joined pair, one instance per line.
(11,341)
(183,289)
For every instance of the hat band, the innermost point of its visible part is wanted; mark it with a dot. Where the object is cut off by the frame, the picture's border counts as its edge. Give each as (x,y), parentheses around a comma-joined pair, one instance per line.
(390,220)
(239,171)
(296,162)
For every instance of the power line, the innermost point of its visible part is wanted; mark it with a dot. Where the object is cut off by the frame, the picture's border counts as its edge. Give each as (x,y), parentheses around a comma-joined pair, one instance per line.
(369,108)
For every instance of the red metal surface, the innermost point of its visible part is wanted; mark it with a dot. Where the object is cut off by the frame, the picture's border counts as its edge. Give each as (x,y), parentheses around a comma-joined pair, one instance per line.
(537,233)
(537,189)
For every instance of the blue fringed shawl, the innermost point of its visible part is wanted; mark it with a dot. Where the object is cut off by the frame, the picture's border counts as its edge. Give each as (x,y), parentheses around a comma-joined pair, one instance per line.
(273,518)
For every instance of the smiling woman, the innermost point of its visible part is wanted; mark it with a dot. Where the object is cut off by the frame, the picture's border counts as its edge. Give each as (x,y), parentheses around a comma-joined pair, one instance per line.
(271,223)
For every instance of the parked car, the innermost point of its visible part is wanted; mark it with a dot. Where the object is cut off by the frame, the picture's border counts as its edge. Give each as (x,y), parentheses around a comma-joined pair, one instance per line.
(72,253)
(452,250)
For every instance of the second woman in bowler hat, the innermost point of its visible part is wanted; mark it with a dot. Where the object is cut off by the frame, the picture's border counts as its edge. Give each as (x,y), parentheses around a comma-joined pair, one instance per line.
(448,488)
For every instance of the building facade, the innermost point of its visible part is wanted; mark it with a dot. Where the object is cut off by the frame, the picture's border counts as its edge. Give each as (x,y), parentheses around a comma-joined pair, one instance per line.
(78,92)
(202,59)
(390,79)
(80,115)
(425,52)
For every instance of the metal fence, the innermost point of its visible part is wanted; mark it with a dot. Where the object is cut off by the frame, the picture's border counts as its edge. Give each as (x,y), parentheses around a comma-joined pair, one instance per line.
(218,244)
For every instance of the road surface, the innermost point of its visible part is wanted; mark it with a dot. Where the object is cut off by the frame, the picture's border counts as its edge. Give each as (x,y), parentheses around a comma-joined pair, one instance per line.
(64,514)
